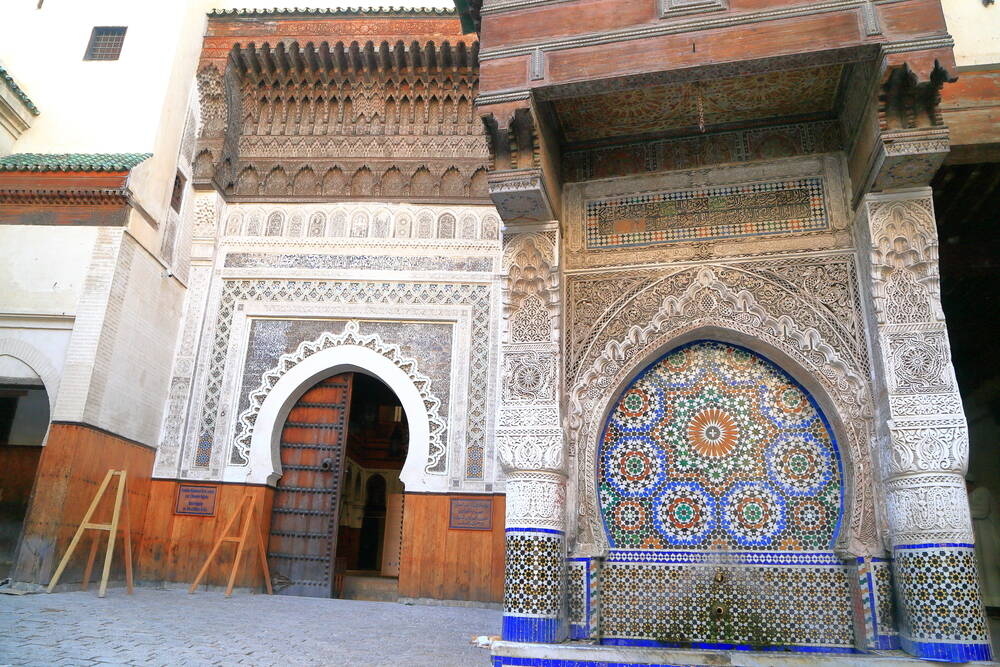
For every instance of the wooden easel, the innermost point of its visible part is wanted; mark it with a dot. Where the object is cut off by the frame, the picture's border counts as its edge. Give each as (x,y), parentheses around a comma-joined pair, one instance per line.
(111,528)
(249,510)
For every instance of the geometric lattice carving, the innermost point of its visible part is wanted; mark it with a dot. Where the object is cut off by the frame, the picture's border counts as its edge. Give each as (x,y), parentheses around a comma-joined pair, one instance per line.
(209,425)
(350,336)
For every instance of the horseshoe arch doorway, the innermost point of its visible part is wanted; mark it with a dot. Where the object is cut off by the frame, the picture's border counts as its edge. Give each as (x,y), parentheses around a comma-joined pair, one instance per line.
(336,521)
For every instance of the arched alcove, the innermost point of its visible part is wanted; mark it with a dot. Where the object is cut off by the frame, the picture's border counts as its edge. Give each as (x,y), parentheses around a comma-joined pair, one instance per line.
(707,422)
(721,493)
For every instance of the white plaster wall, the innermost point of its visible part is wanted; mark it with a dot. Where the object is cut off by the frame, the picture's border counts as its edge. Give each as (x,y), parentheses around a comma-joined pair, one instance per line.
(43,268)
(91,106)
(49,338)
(134,104)
(976,29)
(132,367)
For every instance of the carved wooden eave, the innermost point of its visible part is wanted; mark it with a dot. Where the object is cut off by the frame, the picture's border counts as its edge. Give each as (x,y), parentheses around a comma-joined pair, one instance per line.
(78,189)
(289,60)
(912,140)
(340,104)
(340,120)
(524,180)
(61,198)
(907,102)
(66,197)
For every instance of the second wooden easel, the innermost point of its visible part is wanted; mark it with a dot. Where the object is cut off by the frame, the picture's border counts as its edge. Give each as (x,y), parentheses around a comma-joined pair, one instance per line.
(249,510)
(121,497)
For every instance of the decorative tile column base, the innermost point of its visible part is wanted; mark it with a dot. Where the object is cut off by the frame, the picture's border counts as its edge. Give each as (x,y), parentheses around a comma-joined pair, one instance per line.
(941,614)
(534,585)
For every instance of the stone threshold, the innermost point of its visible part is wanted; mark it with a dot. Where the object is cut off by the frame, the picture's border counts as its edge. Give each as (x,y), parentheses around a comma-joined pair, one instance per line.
(577,654)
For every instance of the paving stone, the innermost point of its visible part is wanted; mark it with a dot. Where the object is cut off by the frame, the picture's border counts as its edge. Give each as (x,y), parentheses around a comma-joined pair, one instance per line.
(169,627)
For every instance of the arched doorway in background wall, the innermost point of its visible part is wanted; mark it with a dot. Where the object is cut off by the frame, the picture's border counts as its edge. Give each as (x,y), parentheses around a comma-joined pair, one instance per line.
(721,488)
(336,523)
(24,421)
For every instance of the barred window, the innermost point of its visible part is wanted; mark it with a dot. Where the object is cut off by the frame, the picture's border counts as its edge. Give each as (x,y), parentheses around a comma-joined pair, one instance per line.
(177,196)
(105,43)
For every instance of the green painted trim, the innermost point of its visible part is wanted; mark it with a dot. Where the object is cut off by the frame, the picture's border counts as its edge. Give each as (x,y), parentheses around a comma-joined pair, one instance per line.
(72,161)
(465,14)
(304,12)
(21,95)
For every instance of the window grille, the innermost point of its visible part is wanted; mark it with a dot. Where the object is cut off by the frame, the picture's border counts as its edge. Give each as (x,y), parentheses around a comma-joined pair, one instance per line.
(105,43)
(177,196)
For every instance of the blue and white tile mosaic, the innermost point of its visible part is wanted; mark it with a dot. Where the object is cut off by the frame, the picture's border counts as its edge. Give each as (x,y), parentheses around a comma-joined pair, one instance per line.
(875,625)
(533,585)
(721,492)
(940,607)
(672,601)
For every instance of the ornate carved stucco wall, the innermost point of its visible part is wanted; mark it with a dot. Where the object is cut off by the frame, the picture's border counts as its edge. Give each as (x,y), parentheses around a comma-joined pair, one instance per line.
(417,279)
(786,289)
(759,255)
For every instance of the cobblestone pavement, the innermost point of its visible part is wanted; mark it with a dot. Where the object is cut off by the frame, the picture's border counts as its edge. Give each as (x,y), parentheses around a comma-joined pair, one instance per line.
(169,627)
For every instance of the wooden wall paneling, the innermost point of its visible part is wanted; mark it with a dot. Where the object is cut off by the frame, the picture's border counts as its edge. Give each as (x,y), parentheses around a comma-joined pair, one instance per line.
(73,462)
(449,564)
(435,522)
(175,546)
(409,558)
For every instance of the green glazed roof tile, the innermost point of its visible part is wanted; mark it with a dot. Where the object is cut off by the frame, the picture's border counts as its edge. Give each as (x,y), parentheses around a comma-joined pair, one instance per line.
(332,11)
(72,161)
(21,95)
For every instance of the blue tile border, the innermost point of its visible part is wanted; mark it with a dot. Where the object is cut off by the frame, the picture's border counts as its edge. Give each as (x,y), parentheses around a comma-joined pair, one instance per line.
(938,545)
(615,641)
(946,652)
(550,531)
(508,661)
(700,557)
(530,629)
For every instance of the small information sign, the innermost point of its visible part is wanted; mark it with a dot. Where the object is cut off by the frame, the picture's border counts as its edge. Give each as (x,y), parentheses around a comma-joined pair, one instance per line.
(471,514)
(196,499)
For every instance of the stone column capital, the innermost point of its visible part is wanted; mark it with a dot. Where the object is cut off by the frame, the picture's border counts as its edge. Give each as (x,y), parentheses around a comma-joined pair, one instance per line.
(531,450)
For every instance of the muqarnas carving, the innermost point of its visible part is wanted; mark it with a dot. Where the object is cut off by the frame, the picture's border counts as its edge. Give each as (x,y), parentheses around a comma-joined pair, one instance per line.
(344,121)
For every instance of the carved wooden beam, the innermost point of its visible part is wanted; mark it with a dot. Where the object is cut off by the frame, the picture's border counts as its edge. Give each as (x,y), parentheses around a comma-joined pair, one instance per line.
(519,185)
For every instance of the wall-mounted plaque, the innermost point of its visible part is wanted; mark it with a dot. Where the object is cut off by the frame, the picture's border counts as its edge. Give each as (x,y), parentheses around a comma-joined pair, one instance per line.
(196,499)
(471,514)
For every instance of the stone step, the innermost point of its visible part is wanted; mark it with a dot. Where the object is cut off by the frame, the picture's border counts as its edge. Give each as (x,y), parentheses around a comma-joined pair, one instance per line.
(370,587)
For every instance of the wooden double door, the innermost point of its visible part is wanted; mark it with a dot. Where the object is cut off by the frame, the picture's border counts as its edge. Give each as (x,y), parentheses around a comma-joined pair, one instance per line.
(304,518)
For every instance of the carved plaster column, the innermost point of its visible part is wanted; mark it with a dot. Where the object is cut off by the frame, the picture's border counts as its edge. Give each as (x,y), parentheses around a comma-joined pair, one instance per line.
(208,205)
(529,437)
(923,434)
